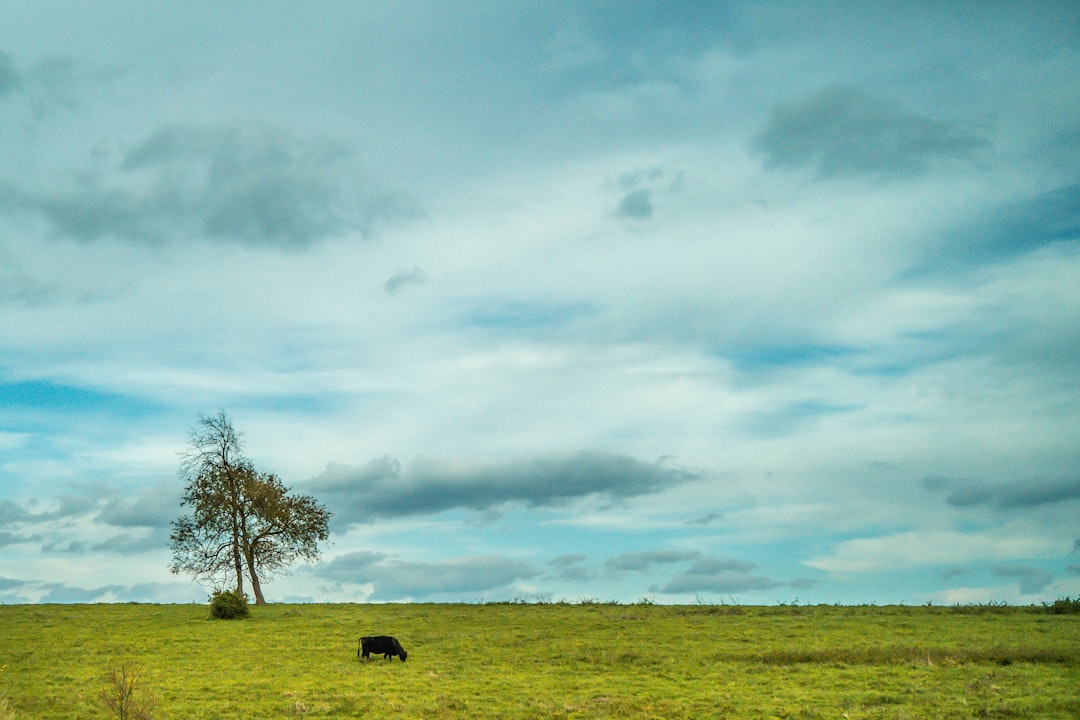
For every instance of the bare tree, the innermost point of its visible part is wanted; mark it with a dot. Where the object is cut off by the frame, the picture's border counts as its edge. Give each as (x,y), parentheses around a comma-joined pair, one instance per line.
(207,543)
(242,522)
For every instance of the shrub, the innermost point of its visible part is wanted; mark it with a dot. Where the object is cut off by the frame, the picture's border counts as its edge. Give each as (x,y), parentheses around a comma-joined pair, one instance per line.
(1064,606)
(228,605)
(119,696)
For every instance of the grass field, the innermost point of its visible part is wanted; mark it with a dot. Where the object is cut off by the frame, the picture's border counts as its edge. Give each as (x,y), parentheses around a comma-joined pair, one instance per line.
(585,660)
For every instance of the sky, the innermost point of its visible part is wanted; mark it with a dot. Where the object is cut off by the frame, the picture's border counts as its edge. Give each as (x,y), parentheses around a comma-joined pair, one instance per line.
(679,302)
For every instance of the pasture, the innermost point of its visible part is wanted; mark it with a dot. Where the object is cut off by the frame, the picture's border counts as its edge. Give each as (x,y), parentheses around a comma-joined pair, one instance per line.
(587,660)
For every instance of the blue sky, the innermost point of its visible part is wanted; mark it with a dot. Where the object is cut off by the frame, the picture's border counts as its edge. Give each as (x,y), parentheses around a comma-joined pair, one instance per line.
(695,302)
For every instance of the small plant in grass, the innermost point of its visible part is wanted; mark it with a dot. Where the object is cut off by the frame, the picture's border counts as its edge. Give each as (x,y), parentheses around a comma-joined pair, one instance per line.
(6,711)
(228,605)
(120,698)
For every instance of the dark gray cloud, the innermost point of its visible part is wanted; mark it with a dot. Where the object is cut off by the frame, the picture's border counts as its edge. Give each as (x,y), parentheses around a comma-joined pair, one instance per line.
(955,571)
(719,576)
(7,538)
(50,85)
(574,574)
(139,592)
(11,591)
(64,547)
(841,130)
(394,578)
(1032,580)
(74,506)
(60,593)
(1010,496)
(12,512)
(252,186)
(21,591)
(68,507)
(19,288)
(154,507)
(133,543)
(381,488)
(639,188)
(569,568)
(644,560)
(636,205)
(403,278)
(703,574)
(707,519)
(10,79)
(935,482)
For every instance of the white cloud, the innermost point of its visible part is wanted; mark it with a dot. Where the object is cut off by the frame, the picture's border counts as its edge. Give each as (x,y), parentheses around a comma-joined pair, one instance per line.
(394,578)
(914,549)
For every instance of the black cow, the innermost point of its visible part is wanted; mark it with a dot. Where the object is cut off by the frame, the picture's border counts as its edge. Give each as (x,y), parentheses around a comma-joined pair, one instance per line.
(381,645)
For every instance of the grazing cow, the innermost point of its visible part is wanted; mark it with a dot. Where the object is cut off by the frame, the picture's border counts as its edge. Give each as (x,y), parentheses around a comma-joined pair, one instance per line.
(381,645)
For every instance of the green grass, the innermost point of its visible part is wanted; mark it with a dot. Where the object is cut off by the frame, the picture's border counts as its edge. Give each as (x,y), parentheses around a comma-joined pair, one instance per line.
(546,661)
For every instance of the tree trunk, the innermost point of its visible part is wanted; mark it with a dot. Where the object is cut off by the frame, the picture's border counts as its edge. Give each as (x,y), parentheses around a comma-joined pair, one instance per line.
(235,505)
(239,568)
(256,586)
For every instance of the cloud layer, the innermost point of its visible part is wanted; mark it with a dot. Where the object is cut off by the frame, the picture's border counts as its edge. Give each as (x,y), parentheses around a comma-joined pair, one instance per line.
(701,302)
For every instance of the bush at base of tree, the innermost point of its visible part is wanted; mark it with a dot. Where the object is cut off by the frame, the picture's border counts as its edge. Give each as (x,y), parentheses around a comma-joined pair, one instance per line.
(228,605)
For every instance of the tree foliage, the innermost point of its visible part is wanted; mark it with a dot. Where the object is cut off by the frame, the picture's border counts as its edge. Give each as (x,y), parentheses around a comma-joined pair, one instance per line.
(242,522)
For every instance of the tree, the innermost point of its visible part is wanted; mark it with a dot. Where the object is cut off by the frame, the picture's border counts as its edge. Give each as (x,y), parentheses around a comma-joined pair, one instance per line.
(242,522)
(280,528)
(207,542)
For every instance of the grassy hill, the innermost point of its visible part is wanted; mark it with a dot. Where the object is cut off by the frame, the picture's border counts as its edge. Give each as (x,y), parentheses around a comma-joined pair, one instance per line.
(545,661)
